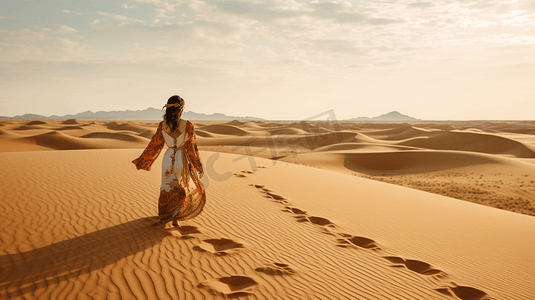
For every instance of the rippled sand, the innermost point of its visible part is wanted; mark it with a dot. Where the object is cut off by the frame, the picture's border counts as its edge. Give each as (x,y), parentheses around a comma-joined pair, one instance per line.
(300,219)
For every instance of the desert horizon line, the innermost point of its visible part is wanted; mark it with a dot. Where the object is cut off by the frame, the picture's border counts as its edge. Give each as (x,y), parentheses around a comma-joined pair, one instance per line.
(393,115)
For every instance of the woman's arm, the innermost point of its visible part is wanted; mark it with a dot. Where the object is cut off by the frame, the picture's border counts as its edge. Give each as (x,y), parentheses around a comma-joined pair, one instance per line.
(152,151)
(192,149)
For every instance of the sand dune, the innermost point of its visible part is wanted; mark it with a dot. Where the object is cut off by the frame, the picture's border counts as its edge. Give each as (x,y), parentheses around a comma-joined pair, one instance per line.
(299,141)
(401,132)
(60,141)
(70,121)
(312,127)
(69,127)
(116,136)
(224,129)
(29,127)
(236,123)
(306,224)
(8,134)
(363,147)
(37,122)
(141,130)
(202,133)
(63,135)
(349,147)
(259,236)
(382,161)
(287,131)
(474,142)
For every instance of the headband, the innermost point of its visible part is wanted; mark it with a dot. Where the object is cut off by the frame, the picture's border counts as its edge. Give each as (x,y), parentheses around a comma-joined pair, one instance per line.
(172,105)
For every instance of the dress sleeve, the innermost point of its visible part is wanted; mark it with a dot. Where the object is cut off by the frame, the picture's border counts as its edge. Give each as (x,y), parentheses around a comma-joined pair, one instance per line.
(193,151)
(151,152)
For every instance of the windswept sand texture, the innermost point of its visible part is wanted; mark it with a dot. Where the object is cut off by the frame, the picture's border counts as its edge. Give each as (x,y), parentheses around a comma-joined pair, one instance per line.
(299,219)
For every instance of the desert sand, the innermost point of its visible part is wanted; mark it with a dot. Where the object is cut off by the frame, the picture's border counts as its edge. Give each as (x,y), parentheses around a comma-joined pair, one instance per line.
(295,210)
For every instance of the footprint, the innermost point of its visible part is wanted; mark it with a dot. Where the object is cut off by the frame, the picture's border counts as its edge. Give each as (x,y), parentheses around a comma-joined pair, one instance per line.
(233,286)
(248,172)
(301,215)
(219,246)
(301,219)
(187,231)
(421,267)
(359,241)
(295,210)
(278,269)
(275,196)
(364,242)
(320,221)
(261,187)
(465,293)
(239,175)
(417,266)
(396,260)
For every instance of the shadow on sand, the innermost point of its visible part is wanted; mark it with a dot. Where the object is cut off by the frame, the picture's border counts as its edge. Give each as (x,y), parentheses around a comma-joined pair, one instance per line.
(25,272)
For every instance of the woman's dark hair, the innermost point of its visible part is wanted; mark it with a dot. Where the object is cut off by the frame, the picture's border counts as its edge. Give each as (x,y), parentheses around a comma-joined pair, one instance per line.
(173,113)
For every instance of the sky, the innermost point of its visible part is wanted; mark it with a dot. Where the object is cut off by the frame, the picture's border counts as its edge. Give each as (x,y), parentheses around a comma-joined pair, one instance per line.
(275,59)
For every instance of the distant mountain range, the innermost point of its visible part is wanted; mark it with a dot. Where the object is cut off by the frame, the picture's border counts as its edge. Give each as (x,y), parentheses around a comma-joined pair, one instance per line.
(156,114)
(391,116)
(147,114)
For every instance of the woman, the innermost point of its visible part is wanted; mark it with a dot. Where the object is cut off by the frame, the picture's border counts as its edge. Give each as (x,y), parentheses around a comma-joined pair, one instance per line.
(179,198)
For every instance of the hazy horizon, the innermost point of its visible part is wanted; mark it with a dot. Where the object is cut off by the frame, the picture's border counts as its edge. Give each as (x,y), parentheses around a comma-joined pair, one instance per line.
(326,115)
(276,60)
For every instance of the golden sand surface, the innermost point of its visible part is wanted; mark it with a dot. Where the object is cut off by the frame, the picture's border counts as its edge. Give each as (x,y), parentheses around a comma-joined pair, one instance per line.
(295,210)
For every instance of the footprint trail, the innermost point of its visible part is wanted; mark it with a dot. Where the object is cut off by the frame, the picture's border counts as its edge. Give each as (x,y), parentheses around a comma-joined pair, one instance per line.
(345,240)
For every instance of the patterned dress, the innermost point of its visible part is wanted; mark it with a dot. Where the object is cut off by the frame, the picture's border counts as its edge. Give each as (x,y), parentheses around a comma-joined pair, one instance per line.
(182,195)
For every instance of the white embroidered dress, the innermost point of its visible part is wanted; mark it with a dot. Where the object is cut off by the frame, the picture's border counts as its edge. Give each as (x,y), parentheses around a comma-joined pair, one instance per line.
(182,195)
(172,161)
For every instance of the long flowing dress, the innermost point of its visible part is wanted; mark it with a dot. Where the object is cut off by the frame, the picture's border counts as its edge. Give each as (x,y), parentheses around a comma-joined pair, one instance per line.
(182,195)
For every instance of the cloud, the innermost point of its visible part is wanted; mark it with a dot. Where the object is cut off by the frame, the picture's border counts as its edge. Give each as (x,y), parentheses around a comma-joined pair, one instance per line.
(284,11)
(340,46)
(161,12)
(17,52)
(66,11)
(420,5)
(24,35)
(149,1)
(529,5)
(387,63)
(115,17)
(291,29)
(67,44)
(303,47)
(40,45)
(379,32)
(120,18)
(66,29)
